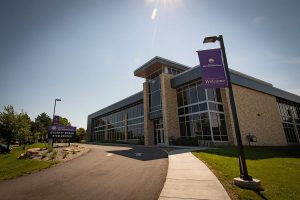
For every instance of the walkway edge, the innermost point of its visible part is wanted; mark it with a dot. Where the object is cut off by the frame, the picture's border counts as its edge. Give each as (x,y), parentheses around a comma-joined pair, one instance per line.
(189,178)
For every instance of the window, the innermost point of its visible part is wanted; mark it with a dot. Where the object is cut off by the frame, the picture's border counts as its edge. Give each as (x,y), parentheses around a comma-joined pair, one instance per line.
(195,105)
(114,125)
(289,112)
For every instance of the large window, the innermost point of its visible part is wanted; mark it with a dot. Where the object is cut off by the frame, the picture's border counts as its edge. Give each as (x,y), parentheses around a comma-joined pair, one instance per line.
(135,123)
(201,113)
(114,125)
(154,91)
(290,116)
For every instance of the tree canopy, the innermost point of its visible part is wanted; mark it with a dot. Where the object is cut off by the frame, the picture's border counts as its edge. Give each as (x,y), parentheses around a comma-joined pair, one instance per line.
(8,124)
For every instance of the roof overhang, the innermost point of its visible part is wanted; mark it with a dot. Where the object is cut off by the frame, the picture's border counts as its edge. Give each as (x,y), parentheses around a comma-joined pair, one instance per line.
(155,64)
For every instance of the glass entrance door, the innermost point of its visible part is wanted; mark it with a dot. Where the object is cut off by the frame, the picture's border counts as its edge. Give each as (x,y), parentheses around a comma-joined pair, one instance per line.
(158,131)
(159,136)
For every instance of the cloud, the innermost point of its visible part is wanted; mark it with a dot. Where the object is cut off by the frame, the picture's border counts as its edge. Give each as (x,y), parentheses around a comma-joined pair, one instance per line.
(257,20)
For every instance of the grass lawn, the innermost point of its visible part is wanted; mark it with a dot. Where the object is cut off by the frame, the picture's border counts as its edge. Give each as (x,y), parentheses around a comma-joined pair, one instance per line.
(11,167)
(278,168)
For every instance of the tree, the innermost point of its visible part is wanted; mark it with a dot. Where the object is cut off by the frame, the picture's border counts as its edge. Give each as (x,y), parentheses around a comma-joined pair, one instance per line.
(23,125)
(42,122)
(8,124)
(64,121)
(81,133)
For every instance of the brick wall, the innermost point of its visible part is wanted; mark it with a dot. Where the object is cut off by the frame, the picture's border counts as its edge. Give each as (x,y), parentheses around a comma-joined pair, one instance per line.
(258,115)
(169,106)
(148,124)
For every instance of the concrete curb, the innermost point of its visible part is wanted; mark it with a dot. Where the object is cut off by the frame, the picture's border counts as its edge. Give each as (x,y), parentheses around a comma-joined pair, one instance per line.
(189,178)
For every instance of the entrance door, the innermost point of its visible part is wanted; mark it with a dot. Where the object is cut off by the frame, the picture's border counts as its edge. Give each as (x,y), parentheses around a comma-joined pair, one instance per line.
(159,136)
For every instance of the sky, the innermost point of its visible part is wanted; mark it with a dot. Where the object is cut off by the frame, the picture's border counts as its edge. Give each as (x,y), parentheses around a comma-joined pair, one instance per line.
(85,51)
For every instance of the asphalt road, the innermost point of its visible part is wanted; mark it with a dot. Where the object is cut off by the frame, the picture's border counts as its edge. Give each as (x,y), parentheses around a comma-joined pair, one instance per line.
(106,172)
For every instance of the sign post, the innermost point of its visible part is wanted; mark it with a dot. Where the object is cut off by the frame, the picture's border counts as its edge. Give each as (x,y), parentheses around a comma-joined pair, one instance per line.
(215,74)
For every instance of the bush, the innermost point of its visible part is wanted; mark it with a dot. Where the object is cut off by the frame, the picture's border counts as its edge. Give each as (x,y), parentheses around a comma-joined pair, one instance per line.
(53,155)
(186,141)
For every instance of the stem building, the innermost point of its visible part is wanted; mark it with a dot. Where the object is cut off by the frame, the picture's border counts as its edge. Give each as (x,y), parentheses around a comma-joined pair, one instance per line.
(173,108)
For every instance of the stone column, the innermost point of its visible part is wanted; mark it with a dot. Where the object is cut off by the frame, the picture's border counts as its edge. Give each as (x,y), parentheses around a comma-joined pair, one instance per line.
(228,116)
(148,124)
(169,108)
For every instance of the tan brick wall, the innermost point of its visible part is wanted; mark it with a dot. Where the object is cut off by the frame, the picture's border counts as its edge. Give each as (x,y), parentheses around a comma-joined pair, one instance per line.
(258,114)
(148,124)
(228,116)
(169,106)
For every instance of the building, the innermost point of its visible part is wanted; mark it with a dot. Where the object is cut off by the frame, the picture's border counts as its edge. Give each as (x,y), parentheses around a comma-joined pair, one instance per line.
(173,108)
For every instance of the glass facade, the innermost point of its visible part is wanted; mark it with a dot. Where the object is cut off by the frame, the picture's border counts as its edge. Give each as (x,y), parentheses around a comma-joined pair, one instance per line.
(114,125)
(290,116)
(201,113)
(154,92)
(135,126)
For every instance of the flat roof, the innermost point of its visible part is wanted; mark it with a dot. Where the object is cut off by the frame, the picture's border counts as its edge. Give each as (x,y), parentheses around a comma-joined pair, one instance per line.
(118,105)
(155,63)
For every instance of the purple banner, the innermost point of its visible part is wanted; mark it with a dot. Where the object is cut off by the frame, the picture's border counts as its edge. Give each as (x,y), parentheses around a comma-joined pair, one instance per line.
(212,69)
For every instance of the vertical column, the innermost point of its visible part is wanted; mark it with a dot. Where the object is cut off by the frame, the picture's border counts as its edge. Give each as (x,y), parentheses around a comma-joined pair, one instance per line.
(106,127)
(169,108)
(125,124)
(148,124)
(228,116)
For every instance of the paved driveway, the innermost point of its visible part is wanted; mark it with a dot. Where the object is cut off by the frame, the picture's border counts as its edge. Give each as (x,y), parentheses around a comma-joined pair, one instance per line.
(106,172)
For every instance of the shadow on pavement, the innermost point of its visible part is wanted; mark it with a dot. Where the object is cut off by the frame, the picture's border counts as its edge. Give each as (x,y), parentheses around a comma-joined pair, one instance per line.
(142,153)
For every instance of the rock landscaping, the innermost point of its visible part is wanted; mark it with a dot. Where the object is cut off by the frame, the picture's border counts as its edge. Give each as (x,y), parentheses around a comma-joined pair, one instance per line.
(59,153)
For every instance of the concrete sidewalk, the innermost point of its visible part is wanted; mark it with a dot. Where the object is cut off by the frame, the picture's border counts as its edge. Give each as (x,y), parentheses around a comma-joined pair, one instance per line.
(190,179)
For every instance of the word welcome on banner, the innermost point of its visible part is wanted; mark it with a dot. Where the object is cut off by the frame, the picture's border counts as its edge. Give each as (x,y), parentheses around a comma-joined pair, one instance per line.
(212,69)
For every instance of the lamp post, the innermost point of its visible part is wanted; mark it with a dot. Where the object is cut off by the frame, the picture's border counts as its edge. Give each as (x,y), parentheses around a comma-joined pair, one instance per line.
(242,161)
(55,107)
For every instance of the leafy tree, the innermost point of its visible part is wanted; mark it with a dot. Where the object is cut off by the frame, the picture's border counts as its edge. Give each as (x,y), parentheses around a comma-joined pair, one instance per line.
(64,121)
(8,124)
(42,121)
(81,133)
(23,125)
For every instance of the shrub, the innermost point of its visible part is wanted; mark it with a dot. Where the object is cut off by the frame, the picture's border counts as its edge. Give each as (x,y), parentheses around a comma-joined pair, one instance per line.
(53,155)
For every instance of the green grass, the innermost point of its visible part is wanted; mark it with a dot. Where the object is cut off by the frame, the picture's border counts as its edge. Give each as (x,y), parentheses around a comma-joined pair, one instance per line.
(278,168)
(11,167)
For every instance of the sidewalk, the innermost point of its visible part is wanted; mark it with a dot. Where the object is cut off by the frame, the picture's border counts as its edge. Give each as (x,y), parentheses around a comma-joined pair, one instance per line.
(189,178)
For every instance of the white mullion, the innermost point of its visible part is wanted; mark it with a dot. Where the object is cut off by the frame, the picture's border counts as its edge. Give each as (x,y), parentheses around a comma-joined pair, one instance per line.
(209,118)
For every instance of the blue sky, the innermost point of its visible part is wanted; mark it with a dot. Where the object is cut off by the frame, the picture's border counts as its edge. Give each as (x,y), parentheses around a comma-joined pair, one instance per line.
(85,52)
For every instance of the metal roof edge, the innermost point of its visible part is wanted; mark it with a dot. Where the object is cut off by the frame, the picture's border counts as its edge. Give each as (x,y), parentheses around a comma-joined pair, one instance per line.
(163,60)
(119,104)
